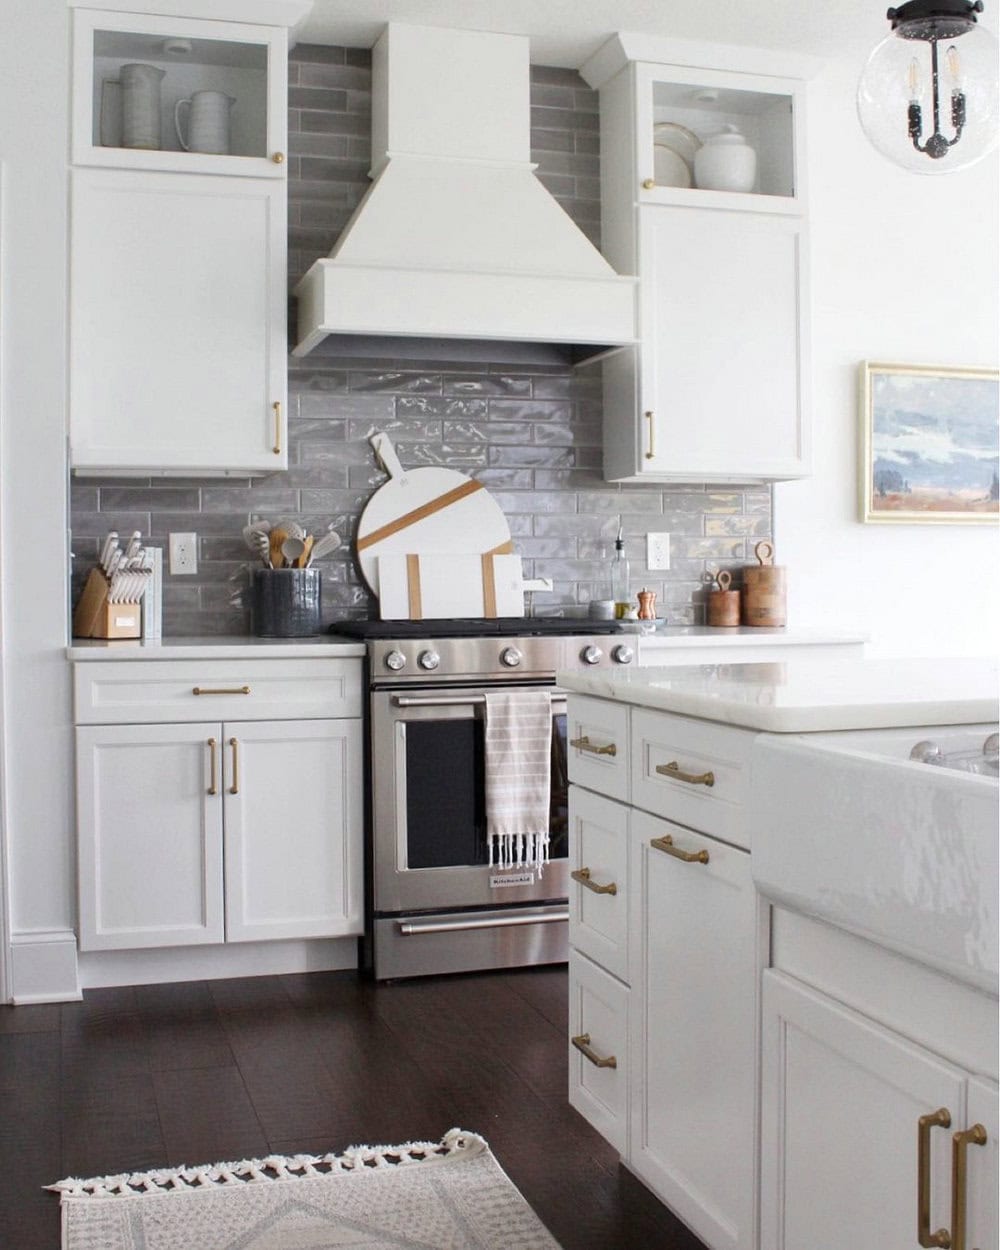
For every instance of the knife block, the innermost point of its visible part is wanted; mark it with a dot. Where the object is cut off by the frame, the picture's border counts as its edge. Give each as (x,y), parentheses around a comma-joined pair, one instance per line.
(97,617)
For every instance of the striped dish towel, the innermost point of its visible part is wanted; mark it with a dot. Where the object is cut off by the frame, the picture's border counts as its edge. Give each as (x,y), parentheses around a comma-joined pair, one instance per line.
(518,760)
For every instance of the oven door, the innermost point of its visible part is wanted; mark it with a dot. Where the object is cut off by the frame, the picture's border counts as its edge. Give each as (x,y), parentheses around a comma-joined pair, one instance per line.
(429,848)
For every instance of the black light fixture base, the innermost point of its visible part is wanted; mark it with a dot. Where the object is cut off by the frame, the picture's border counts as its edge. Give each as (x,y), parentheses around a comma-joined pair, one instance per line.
(934,19)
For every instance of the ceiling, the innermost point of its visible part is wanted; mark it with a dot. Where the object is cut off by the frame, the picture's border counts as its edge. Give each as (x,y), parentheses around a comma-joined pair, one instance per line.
(567,32)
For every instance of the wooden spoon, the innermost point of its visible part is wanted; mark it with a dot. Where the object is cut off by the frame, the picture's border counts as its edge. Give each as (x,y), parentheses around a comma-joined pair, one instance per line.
(307,545)
(276,540)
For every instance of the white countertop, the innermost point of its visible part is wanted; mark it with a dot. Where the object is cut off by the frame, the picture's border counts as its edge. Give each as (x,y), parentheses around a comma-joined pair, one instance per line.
(801,696)
(674,637)
(237,647)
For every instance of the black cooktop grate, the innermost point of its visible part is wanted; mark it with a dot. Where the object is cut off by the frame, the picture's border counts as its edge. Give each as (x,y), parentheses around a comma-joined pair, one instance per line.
(505,626)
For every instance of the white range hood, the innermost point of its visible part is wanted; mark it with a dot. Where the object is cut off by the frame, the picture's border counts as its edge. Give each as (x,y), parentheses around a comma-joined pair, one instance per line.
(456,238)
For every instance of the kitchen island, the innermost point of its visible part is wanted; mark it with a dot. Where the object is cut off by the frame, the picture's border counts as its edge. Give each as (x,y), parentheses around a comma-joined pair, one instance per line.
(796,970)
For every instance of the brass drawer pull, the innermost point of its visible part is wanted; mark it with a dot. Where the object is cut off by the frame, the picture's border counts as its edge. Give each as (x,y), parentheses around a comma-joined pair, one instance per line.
(582,1043)
(934,1119)
(276,406)
(651,449)
(582,875)
(235,787)
(213,783)
(648,184)
(975,1136)
(221,690)
(584,744)
(666,844)
(673,769)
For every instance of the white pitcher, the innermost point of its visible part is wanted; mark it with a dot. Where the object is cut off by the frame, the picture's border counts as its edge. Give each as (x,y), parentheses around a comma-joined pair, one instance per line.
(141,105)
(208,121)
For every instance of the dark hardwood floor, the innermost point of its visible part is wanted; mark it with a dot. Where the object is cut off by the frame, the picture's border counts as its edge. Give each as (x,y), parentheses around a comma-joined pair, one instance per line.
(201,1072)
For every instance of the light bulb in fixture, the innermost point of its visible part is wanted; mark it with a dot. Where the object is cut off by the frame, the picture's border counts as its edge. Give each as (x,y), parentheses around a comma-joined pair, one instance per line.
(927,116)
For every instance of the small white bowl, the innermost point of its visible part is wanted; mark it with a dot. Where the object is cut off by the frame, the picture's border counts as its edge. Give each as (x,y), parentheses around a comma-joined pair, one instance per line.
(669,168)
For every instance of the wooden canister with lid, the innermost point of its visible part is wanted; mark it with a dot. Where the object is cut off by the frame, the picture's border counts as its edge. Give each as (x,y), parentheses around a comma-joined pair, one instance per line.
(764,589)
(724,604)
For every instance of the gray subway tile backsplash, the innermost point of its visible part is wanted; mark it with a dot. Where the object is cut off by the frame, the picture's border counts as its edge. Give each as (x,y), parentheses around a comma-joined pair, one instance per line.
(530,434)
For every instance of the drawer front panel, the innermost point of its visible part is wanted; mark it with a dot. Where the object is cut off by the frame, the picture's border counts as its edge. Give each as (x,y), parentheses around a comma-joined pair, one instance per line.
(597,734)
(598,1020)
(136,691)
(598,888)
(694,772)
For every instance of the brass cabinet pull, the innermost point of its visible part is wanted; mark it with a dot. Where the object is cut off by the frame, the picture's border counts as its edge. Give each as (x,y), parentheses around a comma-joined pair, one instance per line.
(220,690)
(975,1136)
(666,844)
(651,450)
(235,787)
(673,769)
(278,158)
(582,875)
(213,781)
(584,744)
(934,1119)
(276,407)
(648,184)
(582,1043)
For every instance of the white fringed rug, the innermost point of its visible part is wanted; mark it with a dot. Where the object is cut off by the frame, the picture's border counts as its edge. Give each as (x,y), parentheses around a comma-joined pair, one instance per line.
(446,1195)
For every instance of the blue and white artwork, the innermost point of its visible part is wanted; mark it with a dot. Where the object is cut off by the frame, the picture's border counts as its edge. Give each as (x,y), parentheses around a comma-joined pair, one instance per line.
(933,439)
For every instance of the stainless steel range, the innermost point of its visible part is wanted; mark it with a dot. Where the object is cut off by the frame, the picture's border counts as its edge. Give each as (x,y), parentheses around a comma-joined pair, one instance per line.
(434,902)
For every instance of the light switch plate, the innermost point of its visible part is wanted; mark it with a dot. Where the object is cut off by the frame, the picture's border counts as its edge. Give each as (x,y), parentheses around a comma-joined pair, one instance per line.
(657,552)
(183,554)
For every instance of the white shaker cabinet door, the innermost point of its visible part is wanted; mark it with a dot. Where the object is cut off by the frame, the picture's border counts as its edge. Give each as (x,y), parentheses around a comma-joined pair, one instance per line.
(293,829)
(982,1222)
(697,943)
(724,369)
(177,323)
(842,1098)
(150,835)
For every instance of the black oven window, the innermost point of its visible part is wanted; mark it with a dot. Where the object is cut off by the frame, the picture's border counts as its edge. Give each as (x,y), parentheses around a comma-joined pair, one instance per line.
(445,793)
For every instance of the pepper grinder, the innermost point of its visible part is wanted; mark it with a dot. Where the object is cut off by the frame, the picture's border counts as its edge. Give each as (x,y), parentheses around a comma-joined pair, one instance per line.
(647,605)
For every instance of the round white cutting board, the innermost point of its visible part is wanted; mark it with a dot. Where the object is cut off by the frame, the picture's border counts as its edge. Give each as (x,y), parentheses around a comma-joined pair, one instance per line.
(427,511)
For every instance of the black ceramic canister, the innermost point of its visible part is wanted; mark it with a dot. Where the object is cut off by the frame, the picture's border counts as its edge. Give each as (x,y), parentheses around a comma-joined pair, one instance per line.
(286,602)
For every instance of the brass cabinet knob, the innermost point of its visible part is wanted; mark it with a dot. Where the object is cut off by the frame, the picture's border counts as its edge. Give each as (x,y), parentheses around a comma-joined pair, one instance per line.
(278,158)
(648,184)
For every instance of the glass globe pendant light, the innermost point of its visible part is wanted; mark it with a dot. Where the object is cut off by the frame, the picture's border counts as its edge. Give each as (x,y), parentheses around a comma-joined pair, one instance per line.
(928,96)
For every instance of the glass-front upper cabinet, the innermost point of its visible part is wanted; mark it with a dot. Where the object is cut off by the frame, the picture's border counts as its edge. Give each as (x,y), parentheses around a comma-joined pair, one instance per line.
(718,139)
(178,93)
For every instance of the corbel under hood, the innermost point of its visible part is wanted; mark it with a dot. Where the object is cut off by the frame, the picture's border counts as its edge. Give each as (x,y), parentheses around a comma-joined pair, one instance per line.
(456,238)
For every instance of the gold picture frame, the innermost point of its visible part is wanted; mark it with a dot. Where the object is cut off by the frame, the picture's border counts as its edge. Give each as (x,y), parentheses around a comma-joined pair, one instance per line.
(929,444)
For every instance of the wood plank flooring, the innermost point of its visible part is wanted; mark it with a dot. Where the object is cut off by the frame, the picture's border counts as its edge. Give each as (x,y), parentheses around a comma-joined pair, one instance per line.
(201,1072)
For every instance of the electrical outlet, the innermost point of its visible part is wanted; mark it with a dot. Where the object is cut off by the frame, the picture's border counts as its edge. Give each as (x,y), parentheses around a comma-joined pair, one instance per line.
(657,552)
(183,553)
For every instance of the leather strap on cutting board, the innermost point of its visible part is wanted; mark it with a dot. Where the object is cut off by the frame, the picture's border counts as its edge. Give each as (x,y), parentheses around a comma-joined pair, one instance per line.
(418,514)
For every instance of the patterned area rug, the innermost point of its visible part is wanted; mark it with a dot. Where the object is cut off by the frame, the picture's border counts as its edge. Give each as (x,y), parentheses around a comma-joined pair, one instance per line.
(447,1195)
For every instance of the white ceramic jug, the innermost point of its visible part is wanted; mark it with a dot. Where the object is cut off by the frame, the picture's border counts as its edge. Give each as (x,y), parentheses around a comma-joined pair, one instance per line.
(208,122)
(140,105)
(725,162)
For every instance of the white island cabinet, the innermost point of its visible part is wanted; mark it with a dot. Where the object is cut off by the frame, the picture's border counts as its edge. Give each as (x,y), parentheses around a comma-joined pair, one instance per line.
(218,800)
(804,1016)
(177,342)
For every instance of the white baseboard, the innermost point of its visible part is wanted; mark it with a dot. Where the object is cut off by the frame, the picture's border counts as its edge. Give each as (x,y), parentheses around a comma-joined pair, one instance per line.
(213,963)
(43,967)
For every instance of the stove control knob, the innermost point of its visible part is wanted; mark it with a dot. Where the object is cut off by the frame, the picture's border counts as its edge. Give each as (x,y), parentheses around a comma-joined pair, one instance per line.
(591,654)
(511,657)
(622,654)
(395,660)
(429,660)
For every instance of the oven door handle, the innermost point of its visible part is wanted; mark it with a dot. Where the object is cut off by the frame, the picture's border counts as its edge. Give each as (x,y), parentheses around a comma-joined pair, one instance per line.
(449,700)
(409,929)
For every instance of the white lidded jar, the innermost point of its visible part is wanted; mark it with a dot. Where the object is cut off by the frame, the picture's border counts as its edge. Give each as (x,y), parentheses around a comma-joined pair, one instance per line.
(725,162)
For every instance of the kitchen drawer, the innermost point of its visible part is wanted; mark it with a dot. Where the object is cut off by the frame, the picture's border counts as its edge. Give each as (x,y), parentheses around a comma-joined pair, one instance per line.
(708,789)
(598,1020)
(599,760)
(598,890)
(135,691)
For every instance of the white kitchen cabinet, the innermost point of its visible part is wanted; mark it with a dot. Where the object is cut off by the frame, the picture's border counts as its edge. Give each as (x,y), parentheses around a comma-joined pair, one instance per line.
(698,935)
(843,1098)
(218,800)
(598,897)
(716,389)
(178,347)
(599,1051)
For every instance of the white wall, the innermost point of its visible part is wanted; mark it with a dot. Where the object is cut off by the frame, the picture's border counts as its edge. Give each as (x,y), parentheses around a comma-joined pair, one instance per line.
(904,269)
(34,75)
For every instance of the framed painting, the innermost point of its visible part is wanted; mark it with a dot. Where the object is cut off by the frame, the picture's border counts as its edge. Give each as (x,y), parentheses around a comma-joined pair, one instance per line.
(929,444)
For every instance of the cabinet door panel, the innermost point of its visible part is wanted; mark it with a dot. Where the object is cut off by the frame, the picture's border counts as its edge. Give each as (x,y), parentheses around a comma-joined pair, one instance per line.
(150,836)
(983,1225)
(177,322)
(598,1012)
(841,1098)
(724,334)
(293,829)
(696,949)
(598,842)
